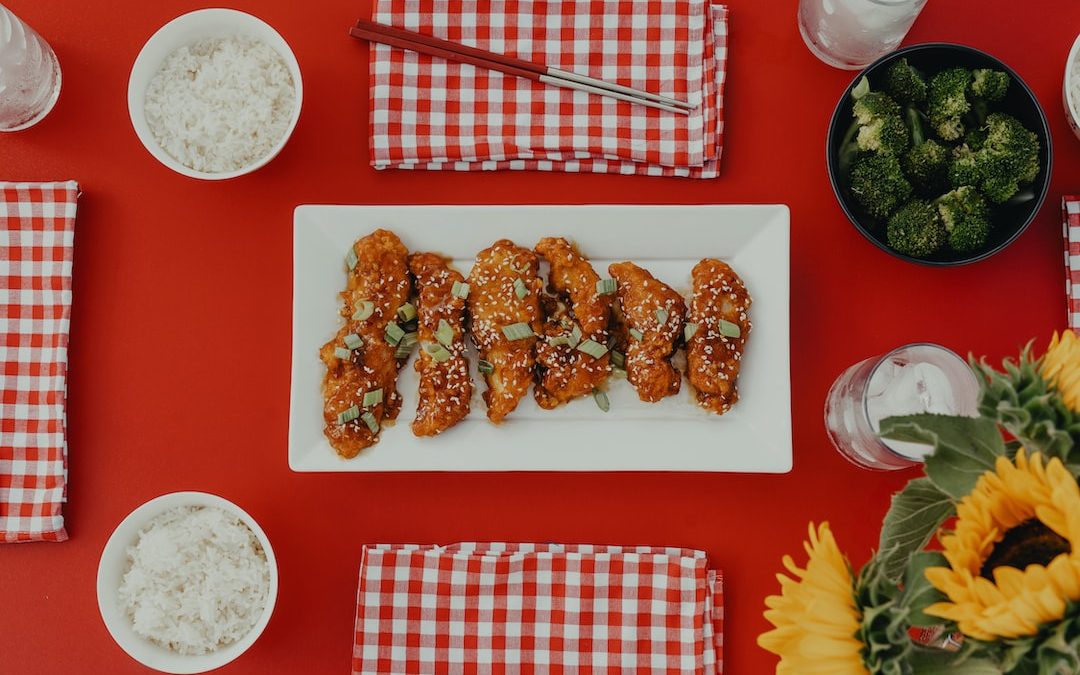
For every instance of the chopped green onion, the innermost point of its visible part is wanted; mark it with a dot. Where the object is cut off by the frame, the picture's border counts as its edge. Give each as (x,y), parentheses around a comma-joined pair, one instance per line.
(364,310)
(354,341)
(636,334)
(559,340)
(661,317)
(601,399)
(437,352)
(592,348)
(406,312)
(518,331)
(373,397)
(342,353)
(689,331)
(404,350)
(350,259)
(485,367)
(606,286)
(575,337)
(459,290)
(445,333)
(618,359)
(520,289)
(730,329)
(408,339)
(346,416)
(394,333)
(565,322)
(371,422)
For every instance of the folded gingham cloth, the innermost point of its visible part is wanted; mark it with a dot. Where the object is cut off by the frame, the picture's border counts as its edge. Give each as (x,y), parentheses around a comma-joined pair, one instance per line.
(537,608)
(1071,216)
(37,230)
(427,113)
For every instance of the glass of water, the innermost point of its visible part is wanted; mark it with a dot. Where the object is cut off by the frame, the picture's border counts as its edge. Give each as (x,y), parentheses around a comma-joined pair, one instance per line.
(852,34)
(29,74)
(911,380)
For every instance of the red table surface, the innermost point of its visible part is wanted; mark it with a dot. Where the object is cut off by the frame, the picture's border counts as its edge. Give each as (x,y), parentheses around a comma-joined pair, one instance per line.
(180,344)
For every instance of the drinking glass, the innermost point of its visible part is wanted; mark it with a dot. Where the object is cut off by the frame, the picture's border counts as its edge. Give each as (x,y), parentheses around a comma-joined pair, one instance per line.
(29,74)
(910,380)
(851,34)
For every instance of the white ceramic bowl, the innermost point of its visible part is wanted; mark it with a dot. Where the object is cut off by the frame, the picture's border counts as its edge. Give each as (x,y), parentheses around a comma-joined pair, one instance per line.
(1072,106)
(185,29)
(114,563)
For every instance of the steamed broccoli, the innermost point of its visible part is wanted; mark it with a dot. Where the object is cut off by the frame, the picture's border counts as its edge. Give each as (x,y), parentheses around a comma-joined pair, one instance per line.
(1009,157)
(881,128)
(879,185)
(966,217)
(948,102)
(975,138)
(965,167)
(916,229)
(926,166)
(989,85)
(904,83)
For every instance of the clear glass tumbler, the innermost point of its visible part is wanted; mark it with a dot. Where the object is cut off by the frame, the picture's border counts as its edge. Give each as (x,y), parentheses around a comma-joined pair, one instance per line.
(910,380)
(29,74)
(851,34)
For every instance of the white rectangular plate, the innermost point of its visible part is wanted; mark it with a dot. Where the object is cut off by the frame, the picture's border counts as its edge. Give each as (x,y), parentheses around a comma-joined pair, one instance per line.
(672,435)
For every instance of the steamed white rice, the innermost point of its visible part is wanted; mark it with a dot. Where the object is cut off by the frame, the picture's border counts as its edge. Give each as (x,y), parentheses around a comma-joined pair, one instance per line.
(220,104)
(197,580)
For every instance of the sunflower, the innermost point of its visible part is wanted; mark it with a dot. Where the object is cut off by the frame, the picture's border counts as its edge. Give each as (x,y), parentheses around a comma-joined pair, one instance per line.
(815,616)
(1014,561)
(1061,367)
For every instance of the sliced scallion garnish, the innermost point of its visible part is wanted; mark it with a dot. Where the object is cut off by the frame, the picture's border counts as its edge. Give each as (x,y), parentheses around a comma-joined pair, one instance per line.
(350,259)
(408,339)
(601,399)
(592,348)
(518,331)
(404,350)
(559,340)
(459,290)
(618,359)
(371,422)
(364,310)
(346,416)
(606,286)
(729,329)
(445,333)
(406,312)
(394,333)
(636,334)
(342,353)
(354,341)
(575,337)
(689,330)
(520,289)
(437,352)
(373,397)
(484,367)
(661,317)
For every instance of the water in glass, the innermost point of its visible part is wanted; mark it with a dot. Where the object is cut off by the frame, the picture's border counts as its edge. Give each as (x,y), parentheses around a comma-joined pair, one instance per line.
(853,33)
(29,74)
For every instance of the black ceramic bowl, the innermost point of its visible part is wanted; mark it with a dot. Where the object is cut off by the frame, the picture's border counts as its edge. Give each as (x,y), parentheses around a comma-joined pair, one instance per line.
(1009,220)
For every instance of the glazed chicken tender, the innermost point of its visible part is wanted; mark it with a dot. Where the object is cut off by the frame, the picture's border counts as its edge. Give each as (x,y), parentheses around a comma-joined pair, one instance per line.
(504,320)
(564,370)
(445,383)
(360,386)
(653,314)
(720,324)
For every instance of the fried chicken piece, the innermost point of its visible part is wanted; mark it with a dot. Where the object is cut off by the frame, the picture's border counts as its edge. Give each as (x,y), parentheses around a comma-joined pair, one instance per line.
(445,385)
(653,313)
(720,309)
(494,309)
(563,371)
(380,277)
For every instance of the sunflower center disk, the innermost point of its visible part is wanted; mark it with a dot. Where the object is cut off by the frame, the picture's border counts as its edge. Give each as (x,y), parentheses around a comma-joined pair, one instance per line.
(1029,543)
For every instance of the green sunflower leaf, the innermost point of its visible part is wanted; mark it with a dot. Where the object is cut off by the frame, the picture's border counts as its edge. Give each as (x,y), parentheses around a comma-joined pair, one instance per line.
(918,592)
(941,662)
(915,514)
(964,447)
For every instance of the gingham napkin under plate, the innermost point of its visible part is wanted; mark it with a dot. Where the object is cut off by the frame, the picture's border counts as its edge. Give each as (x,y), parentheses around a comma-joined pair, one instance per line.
(523,608)
(1071,216)
(427,113)
(37,230)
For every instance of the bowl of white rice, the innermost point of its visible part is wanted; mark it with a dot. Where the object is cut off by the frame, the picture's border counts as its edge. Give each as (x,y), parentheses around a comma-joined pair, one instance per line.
(215,94)
(1071,92)
(187,582)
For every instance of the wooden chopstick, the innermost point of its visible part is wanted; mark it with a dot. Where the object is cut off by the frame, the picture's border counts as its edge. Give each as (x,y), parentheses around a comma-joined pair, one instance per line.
(453,51)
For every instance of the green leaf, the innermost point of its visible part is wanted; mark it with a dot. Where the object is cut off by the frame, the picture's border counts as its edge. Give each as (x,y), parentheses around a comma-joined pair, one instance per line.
(918,592)
(915,514)
(964,447)
(941,662)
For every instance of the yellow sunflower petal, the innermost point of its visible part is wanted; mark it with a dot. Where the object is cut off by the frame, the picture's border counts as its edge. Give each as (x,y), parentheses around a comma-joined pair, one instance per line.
(1061,367)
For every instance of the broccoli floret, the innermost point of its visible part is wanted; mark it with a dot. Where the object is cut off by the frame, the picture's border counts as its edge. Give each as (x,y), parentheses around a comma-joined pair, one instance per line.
(926,166)
(904,83)
(965,167)
(989,85)
(1009,157)
(879,185)
(966,217)
(916,229)
(948,102)
(975,138)
(881,127)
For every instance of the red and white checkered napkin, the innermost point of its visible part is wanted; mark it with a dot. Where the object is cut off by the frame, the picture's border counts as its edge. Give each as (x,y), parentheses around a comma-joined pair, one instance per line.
(427,113)
(537,608)
(1071,214)
(37,230)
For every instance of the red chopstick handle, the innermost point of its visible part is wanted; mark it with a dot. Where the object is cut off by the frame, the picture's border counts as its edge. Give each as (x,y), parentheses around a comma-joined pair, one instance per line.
(453,51)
